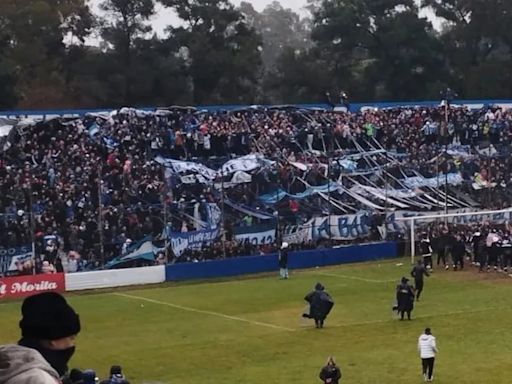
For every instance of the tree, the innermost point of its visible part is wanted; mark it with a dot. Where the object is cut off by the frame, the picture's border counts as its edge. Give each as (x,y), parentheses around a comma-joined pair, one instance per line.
(280,28)
(126,22)
(377,49)
(221,50)
(298,77)
(32,35)
(478,45)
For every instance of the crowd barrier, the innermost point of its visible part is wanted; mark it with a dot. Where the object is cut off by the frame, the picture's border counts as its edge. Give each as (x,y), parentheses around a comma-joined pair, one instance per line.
(115,278)
(22,286)
(296,260)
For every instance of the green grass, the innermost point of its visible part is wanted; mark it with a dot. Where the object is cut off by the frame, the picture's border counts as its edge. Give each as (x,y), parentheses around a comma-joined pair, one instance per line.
(250,330)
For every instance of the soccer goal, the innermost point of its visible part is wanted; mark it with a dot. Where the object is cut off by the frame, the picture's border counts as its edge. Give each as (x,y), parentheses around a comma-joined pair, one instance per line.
(416,224)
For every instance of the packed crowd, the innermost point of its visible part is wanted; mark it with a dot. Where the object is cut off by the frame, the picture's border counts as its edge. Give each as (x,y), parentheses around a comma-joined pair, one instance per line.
(76,176)
(484,245)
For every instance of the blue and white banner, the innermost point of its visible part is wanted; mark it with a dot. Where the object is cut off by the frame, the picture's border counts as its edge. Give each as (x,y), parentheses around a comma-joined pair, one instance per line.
(249,211)
(278,195)
(187,167)
(142,250)
(433,182)
(9,257)
(344,227)
(256,234)
(213,215)
(194,240)
(403,225)
(245,163)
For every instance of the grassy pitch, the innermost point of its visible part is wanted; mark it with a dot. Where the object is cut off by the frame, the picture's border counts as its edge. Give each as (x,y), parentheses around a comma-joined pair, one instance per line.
(250,330)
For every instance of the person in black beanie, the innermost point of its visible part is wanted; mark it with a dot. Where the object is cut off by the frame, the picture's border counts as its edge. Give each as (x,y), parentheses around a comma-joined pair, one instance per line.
(49,326)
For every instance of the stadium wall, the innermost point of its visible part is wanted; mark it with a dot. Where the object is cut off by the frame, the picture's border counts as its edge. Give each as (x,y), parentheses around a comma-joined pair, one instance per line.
(268,263)
(114,278)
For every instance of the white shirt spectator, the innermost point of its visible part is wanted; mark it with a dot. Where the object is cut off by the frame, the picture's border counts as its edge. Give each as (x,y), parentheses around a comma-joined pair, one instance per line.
(427,346)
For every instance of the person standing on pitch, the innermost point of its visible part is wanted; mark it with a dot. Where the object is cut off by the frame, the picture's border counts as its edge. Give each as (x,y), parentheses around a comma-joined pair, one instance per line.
(418,271)
(458,253)
(404,298)
(320,304)
(427,349)
(426,250)
(283,261)
(330,373)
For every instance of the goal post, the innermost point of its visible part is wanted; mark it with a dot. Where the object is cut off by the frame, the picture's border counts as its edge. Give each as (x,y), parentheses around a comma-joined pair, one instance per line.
(412,221)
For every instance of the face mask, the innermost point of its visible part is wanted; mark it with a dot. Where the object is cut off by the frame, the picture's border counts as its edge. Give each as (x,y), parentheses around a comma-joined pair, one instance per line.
(58,359)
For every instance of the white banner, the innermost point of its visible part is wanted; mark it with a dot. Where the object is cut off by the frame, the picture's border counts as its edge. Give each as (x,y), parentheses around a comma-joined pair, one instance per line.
(184,167)
(246,164)
(418,181)
(403,225)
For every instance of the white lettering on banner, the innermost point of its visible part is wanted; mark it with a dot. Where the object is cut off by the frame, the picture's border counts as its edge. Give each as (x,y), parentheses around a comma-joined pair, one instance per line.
(402,225)
(3,289)
(192,240)
(345,227)
(297,235)
(36,287)
(258,238)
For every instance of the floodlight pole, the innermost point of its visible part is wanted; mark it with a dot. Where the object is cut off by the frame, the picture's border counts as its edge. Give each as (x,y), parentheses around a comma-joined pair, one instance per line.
(413,243)
(329,197)
(100,215)
(223,224)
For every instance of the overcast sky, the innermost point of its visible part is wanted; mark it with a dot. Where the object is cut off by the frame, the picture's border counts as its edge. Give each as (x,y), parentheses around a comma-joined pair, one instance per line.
(165,17)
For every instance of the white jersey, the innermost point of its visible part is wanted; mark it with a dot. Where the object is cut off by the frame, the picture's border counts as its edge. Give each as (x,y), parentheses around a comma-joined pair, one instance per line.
(427,346)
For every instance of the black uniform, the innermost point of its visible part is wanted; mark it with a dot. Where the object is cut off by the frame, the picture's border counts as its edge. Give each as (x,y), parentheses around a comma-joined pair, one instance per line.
(426,251)
(418,271)
(477,247)
(404,298)
(441,248)
(320,304)
(458,253)
(506,254)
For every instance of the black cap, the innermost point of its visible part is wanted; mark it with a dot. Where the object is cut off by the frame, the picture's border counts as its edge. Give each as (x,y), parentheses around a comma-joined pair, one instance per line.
(115,370)
(47,316)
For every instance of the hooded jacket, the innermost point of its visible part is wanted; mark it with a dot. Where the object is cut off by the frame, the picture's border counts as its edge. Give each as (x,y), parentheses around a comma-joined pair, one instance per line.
(21,365)
(427,346)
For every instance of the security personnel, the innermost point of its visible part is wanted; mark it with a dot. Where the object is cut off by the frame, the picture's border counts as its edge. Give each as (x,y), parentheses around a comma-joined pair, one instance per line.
(426,250)
(418,271)
(458,253)
(405,298)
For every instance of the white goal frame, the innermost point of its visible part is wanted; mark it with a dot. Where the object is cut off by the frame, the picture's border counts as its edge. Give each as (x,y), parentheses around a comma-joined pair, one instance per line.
(413,219)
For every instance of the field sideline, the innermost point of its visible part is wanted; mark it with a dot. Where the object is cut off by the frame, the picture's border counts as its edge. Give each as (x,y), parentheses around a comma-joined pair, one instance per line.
(250,330)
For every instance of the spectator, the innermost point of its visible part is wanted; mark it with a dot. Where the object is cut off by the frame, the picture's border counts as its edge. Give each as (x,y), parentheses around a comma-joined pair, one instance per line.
(330,373)
(116,376)
(49,327)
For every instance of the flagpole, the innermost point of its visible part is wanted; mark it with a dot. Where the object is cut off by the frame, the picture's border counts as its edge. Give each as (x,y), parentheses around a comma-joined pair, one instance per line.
(166,215)
(278,179)
(329,197)
(386,203)
(223,224)
(32,223)
(100,216)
